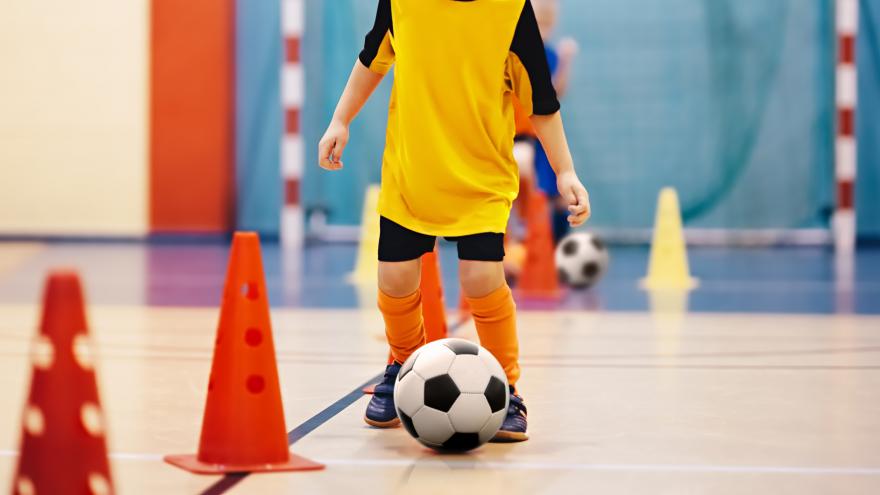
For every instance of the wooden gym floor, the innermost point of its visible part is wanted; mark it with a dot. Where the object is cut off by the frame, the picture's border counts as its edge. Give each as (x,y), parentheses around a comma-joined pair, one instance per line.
(620,401)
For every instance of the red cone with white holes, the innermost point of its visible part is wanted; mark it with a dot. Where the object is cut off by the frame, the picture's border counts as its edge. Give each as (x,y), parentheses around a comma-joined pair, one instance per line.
(63,446)
(243,427)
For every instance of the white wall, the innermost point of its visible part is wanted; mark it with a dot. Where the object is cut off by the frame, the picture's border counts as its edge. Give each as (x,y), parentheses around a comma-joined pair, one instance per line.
(73,117)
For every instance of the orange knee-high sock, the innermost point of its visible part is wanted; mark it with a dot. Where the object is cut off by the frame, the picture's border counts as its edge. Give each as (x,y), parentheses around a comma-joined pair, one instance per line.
(495,318)
(404,326)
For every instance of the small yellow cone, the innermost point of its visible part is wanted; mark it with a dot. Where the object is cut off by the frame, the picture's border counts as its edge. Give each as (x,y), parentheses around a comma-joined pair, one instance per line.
(367,265)
(668,266)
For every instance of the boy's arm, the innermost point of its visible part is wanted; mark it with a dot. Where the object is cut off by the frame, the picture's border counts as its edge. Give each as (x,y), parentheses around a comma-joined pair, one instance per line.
(374,61)
(551,133)
(361,84)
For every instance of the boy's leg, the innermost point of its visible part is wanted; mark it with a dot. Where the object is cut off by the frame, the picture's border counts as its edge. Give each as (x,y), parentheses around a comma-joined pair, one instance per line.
(400,301)
(494,312)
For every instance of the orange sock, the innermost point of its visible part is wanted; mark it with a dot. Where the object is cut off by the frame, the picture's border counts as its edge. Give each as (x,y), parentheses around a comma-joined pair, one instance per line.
(404,326)
(495,318)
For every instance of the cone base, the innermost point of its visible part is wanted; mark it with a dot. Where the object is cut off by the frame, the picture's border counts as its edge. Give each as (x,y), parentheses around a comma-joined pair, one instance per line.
(369,389)
(191,463)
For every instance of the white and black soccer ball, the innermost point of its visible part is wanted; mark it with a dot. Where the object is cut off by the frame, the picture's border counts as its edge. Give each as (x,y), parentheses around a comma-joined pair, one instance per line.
(451,395)
(581,260)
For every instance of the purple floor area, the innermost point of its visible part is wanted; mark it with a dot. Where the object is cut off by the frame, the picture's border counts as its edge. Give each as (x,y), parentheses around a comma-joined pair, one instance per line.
(779,280)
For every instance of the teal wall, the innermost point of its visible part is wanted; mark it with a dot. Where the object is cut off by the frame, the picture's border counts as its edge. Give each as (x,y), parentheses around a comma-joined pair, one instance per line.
(259,116)
(335,33)
(728,101)
(868,181)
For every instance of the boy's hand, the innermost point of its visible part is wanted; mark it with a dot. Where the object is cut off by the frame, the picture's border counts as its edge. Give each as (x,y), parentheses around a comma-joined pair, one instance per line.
(575,194)
(331,146)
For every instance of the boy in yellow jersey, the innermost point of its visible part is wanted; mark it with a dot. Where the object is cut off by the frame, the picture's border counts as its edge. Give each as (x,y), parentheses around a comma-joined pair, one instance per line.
(448,168)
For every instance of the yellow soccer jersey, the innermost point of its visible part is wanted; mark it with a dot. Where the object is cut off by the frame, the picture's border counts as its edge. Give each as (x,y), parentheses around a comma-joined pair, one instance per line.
(448,167)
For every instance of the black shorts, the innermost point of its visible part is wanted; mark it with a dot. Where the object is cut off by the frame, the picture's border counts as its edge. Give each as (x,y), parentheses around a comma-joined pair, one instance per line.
(398,243)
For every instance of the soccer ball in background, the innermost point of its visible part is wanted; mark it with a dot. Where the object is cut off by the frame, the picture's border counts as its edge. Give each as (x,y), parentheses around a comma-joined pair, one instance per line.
(581,259)
(451,395)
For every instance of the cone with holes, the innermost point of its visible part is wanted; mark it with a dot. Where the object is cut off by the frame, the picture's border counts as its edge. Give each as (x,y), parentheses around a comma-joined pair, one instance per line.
(63,447)
(243,427)
(433,309)
(539,279)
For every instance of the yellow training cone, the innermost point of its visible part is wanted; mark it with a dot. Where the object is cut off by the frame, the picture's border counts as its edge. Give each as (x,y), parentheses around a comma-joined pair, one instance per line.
(668,266)
(367,265)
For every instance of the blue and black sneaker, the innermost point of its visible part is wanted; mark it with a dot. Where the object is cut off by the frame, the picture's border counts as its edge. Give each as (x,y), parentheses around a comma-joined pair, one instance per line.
(515,424)
(380,411)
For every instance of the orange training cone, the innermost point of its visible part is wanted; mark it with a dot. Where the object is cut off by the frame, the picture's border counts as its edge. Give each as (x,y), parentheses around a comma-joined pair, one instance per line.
(464,309)
(243,427)
(539,279)
(526,188)
(63,446)
(433,310)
